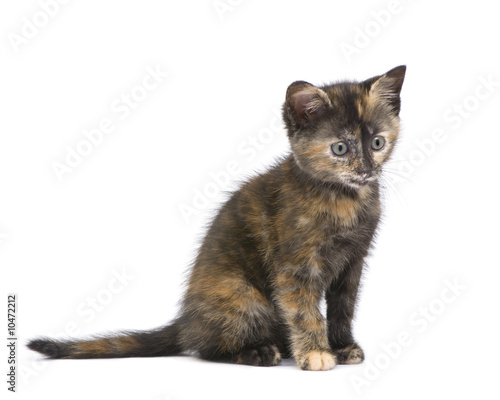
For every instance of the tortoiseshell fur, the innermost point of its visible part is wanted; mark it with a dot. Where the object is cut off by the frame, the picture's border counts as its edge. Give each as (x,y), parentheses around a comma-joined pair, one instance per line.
(284,240)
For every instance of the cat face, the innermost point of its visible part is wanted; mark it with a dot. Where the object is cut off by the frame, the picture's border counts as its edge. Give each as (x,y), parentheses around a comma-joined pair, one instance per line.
(345,132)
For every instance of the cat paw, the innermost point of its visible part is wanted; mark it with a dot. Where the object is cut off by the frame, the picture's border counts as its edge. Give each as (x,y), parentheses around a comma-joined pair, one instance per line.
(317,361)
(351,354)
(264,356)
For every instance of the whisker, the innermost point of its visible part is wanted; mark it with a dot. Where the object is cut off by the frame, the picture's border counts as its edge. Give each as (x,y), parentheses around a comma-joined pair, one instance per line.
(398,173)
(392,189)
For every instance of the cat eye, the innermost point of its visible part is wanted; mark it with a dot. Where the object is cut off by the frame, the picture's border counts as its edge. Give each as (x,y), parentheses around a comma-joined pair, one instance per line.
(339,148)
(378,143)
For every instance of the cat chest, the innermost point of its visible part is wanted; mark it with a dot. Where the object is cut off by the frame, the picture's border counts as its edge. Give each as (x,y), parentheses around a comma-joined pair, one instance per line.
(324,243)
(320,256)
(327,213)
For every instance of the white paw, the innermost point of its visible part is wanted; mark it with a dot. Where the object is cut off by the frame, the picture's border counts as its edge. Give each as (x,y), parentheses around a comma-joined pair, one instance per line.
(317,361)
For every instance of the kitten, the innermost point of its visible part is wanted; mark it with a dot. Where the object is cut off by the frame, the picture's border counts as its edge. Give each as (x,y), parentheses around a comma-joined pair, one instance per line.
(285,239)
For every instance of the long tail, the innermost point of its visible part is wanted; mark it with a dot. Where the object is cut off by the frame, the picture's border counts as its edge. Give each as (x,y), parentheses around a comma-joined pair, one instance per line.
(159,342)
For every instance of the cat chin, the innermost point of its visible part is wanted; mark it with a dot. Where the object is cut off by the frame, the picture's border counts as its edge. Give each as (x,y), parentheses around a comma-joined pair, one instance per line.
(358,184)
(348,184)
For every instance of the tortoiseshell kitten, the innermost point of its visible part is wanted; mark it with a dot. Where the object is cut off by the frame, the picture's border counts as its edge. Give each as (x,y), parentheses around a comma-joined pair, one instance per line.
(284,240)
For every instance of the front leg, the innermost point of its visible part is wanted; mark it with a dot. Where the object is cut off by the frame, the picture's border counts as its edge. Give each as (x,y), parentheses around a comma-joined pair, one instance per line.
(299,303)
(340,301)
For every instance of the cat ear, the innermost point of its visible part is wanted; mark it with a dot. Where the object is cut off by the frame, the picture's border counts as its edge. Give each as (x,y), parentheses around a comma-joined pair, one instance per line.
(387,87)
(305,102)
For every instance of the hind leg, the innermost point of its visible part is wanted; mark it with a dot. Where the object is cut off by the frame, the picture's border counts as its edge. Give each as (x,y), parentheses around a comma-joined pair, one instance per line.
(256,355)
(263,355)
(231,321)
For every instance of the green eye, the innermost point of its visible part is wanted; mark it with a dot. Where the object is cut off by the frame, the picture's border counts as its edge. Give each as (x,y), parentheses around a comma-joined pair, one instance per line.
(378,143)
(339,148)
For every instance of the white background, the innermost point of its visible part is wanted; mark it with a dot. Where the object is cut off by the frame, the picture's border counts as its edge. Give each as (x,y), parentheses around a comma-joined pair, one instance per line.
(118,211)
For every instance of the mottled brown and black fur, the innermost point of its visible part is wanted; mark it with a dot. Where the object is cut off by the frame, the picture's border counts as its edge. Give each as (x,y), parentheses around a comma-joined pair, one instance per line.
(284,240)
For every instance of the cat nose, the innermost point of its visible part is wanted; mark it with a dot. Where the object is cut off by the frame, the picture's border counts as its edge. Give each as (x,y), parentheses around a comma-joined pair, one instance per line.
(365,174)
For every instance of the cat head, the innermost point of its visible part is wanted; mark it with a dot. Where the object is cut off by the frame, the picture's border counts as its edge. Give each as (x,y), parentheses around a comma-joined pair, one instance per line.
(344,132)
